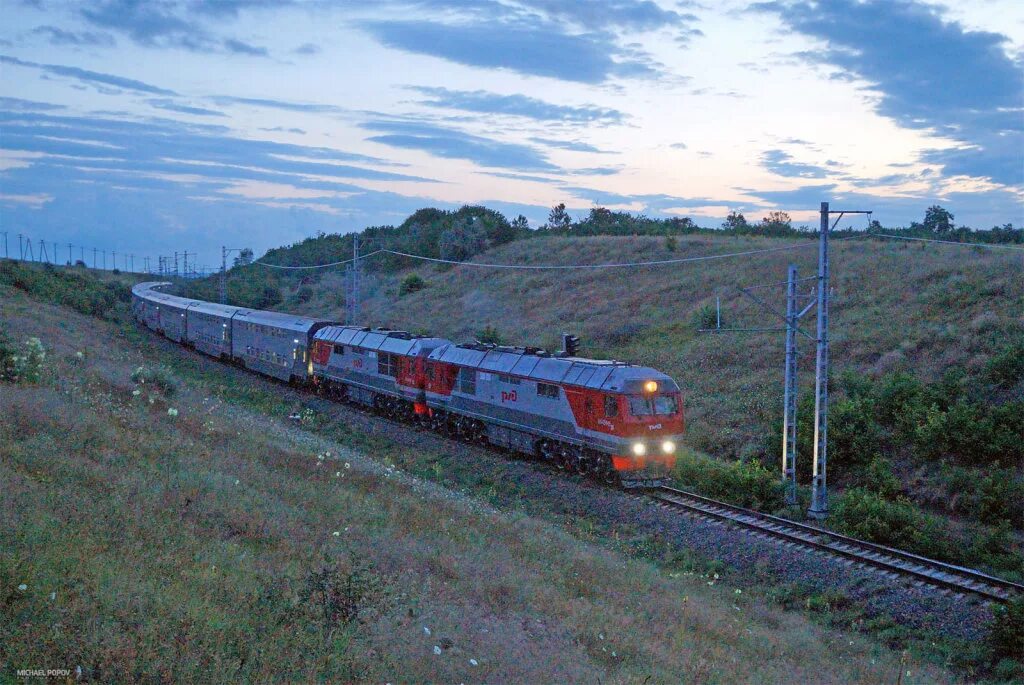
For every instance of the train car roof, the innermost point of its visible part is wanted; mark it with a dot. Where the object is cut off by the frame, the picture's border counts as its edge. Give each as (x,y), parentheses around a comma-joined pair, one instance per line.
(290,322)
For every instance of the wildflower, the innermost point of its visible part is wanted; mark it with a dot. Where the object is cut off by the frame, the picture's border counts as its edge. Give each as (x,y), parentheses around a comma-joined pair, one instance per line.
(739,591)
(22,587)
(474,662)
(600,636)
(172,412)
(236,481)
(337,474)
(437,650)
(426,630)
(716,576)
(136,392)
(336,533)
(79,355)
(53,596)
(348,465)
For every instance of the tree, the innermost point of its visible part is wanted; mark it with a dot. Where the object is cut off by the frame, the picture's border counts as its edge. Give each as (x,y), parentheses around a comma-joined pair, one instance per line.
(938,220)
(559,218)
(244,257)
(776,223)
(735,222)
(520,224)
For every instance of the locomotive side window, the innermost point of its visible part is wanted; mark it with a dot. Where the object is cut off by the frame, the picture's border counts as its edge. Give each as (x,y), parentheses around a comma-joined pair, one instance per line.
(467,381)
(339,349)
(510,380)
(387,364)
(611,406)
(547,390)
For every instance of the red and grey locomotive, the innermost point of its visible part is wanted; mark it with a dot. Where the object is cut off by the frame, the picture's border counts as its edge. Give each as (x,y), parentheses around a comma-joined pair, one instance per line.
(609,419)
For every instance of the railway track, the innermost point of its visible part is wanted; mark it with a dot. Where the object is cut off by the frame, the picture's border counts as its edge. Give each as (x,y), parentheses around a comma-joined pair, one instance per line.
(890,561)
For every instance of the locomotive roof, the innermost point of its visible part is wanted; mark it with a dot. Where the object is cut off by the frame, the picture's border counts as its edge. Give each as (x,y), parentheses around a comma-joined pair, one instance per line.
(382,339)
(599,374)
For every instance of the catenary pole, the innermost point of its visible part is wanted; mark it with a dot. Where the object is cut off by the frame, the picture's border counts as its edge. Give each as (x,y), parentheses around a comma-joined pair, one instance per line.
(789,394)
(819,487)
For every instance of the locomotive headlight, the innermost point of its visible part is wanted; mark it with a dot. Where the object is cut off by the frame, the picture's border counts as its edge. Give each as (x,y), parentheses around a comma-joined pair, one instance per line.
(639,449)
(651,386)
(668,447)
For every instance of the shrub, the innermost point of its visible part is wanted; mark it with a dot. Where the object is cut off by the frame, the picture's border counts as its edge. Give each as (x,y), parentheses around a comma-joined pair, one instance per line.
(158,377)
(854,435)
(24,365)
(747,484)
(411,284)
(489,335)
(1006,639)
(706,317)
(1006,369)
(671,243)
(878,476)
(860,513)
(304,294)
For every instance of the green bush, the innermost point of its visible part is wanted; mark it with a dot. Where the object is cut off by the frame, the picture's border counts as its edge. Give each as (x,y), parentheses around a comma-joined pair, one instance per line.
(879,477)
(82,292)
(1006,639)
(671,244)
(24,365)
(866,515)
(411,284)
(706,317)
(158,377)
(1006,369)
(747,484)
(489,335)
(855,436)
(304,294)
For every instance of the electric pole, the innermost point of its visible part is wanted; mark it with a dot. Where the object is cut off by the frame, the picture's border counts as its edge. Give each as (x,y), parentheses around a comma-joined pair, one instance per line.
(355,279)
(94,251)
(21,250)
(789,394)
(43,256)
(223,274)
(71,259)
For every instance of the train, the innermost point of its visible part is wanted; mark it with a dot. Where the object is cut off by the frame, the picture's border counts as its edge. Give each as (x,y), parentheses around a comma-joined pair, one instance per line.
(610,420)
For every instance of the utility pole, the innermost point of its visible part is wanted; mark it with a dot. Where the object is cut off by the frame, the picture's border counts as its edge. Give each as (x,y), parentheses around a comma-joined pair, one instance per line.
(223,274)
(113,260)
(21,250)
(175,264)
(94,251)
(132,263)
(71,260)
(819,488)
(355,279)
(789,394)
(145,263)
(43,256)
(6,256)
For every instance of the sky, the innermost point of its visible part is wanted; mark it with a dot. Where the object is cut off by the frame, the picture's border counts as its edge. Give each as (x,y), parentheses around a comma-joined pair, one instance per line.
(147,127)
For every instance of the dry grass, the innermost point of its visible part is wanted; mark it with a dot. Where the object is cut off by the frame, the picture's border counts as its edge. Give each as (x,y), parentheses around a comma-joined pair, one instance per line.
(201,547)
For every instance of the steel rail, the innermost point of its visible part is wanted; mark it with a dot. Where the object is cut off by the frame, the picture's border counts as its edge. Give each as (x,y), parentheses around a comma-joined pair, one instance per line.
(923,569)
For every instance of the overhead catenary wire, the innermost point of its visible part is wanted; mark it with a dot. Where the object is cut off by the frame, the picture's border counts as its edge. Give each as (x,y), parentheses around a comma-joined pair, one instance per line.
(994,246)
(607,265)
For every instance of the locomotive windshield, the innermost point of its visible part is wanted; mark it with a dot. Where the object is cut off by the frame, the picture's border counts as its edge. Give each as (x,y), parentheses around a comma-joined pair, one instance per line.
(662,405)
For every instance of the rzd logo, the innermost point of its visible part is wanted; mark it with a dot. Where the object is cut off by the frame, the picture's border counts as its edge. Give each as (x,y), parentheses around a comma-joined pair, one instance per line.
(509,396)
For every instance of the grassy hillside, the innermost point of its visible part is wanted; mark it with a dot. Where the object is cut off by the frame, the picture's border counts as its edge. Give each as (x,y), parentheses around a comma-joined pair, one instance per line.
(927,350)
(159,527)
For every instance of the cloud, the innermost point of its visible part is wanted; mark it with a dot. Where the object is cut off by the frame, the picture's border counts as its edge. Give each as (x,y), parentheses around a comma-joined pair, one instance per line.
(281,129)
(537,49)
(931,74)
(149,23)
(239,48)
(485,102)
(679,146)
(59,36)
(276,104)
(780,162)
(171,105)
(572,145)
(633,15)
(307,49)
(92,77)
(453,144)
(17,104)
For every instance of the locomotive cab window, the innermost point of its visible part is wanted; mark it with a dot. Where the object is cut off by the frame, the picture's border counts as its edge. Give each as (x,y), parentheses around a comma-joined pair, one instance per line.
(467,381)
(387,364)
(611,406)
(662,405)
(547,390)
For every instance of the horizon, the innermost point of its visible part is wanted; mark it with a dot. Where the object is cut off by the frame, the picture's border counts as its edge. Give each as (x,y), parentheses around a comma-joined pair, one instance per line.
(148,128)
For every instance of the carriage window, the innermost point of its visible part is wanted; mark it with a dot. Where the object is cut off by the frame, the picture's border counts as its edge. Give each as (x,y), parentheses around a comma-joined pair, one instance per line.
(510,380)
(547,390)
(467,381)
(611,406)
(339,349)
